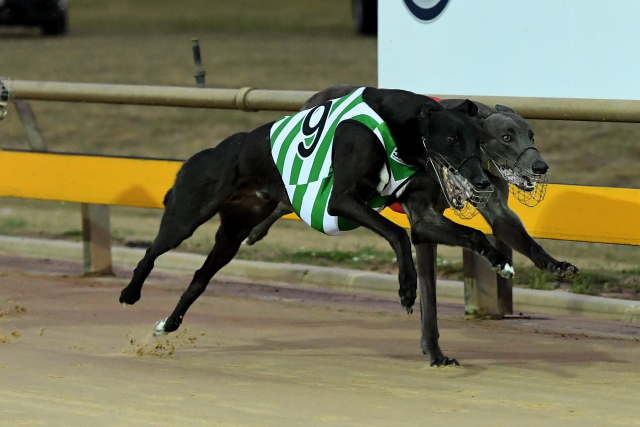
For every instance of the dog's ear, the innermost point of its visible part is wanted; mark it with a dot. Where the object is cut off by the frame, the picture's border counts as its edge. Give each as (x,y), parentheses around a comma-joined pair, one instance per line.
(504,109)
(484,110)
(426,111)
(468,107)
(429,108)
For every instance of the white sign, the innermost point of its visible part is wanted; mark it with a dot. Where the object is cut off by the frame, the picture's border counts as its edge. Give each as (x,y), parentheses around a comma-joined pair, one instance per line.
(546,48)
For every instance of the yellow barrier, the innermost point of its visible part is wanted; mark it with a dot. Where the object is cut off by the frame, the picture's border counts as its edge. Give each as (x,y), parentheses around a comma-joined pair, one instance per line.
(569,212)
(86,179)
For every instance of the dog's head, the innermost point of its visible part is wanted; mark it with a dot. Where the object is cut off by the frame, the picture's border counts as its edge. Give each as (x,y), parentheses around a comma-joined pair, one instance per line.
(452,142)
(509,153)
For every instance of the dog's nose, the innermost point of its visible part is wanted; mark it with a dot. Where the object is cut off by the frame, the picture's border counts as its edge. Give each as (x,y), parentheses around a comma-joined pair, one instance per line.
(539,167)
(481,183)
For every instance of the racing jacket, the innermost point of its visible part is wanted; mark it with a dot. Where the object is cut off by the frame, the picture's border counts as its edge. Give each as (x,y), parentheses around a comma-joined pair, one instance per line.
(301,147)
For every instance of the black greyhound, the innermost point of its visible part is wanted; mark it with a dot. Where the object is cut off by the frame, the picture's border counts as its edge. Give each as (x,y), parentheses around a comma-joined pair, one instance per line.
(240,180)
(513,165)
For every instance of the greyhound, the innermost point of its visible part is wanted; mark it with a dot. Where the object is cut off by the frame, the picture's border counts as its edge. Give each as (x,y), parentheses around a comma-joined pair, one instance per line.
(241,179)
(512,164)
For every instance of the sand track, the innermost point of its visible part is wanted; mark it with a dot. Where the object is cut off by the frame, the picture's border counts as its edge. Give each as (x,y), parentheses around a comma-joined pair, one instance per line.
(265,354)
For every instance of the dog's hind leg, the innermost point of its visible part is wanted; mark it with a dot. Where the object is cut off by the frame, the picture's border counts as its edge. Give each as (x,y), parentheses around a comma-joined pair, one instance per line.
(177,225)
(169,237)
(236,222)
(193,200)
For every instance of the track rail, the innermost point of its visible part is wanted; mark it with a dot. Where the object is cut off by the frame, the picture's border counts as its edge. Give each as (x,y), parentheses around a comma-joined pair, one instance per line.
(250,99)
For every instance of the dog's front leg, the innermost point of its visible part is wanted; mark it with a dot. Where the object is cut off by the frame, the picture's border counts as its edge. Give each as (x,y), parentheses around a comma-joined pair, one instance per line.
(426,254)
(428,228)
(260,231)
(428,224)
(510,230)
(436,228)
(508,227)
(359,169)
(349,207)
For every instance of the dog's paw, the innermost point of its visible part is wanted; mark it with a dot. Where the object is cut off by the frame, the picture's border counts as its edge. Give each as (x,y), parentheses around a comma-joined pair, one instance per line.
(444,361)
(407,303)
(129,296)
(159,328)
(255,236)
(505,271)
(499,263)
(436,357)
(407,300)
(408,291)
(564,269)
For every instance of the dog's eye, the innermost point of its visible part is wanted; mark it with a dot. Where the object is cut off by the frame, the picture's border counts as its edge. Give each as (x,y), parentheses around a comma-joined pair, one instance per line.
(531,137)
(453,139)
(506,138)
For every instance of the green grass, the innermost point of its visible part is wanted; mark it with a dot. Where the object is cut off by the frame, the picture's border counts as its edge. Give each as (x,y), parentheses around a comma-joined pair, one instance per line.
(593,283)
(72,234)
(11,224)
(449,268)
(615,283)
(364,258)
(534,278)
(237,16)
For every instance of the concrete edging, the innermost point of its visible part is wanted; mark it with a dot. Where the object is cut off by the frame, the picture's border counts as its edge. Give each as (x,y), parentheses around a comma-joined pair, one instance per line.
(551,302)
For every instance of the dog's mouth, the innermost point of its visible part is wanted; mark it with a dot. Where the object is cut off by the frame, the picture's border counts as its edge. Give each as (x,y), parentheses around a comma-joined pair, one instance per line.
(523,180)
(463,198)
(527,187)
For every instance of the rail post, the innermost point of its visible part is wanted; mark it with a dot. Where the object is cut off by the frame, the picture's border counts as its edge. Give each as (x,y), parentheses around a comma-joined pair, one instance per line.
(96,239)
(28,119)
(486,293)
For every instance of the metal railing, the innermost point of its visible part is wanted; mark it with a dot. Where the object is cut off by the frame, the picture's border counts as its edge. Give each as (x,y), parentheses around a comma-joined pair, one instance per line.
(250,99)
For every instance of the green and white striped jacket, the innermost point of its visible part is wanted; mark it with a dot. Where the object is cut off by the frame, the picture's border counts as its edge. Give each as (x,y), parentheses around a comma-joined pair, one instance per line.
(301,147)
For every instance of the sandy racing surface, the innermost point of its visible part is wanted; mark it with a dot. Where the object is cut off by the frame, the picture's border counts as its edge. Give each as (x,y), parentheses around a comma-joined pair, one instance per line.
(276,355)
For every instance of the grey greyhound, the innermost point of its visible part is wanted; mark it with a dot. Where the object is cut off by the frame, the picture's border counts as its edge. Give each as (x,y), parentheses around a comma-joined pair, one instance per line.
(513,165)
(249,174)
